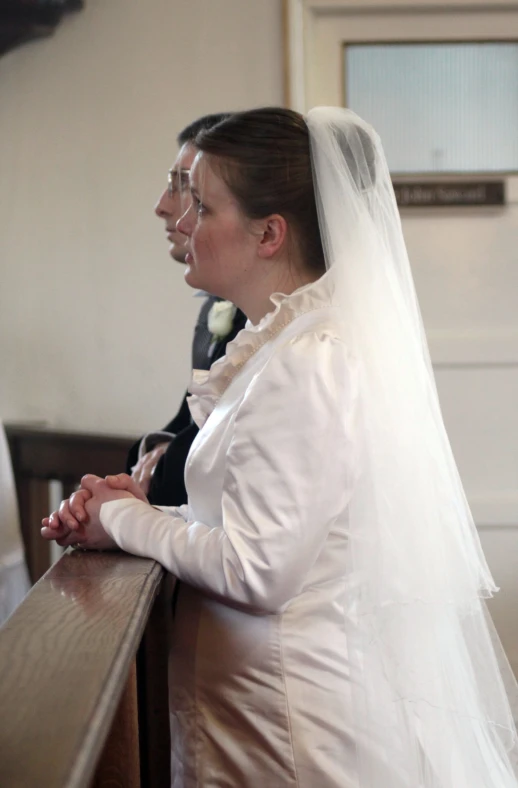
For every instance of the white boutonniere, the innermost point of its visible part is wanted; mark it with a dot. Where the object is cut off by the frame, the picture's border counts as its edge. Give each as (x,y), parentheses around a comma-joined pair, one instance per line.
(220,319)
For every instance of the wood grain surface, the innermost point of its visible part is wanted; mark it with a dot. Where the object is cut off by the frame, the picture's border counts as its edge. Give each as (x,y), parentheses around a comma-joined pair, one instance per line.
(65,658)
(119,765)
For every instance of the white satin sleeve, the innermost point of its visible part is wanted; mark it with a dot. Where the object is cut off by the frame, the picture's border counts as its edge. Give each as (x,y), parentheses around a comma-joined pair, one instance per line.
(289,474)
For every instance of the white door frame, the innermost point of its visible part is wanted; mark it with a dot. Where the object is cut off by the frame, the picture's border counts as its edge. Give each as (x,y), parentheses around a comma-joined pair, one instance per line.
(302,16)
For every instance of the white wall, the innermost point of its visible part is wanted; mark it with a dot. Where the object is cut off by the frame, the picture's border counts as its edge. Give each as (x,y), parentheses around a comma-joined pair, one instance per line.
(95,319)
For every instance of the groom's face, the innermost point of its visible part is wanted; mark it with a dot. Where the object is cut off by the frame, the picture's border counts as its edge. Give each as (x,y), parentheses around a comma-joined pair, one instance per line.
(175,200)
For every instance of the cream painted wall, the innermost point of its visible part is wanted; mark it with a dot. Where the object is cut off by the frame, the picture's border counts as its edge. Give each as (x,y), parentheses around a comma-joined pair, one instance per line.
(95,319)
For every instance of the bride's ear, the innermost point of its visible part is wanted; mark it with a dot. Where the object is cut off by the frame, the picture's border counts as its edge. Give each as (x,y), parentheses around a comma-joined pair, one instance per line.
(271,235)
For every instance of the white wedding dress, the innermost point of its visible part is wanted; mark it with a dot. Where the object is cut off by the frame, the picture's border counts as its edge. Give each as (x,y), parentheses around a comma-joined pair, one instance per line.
(259,675)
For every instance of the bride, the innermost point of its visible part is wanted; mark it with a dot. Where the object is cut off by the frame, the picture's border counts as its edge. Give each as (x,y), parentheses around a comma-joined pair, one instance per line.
(330,629)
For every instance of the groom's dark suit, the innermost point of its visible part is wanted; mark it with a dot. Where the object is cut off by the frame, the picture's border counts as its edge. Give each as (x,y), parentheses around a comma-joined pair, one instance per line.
(167,486)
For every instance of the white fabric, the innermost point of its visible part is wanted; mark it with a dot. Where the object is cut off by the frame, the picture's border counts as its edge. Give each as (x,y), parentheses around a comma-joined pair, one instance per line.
(260,688)
(429,672)
(14,578)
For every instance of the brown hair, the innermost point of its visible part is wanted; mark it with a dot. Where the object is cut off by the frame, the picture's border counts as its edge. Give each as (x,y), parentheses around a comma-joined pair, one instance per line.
(188,134)
(264,159)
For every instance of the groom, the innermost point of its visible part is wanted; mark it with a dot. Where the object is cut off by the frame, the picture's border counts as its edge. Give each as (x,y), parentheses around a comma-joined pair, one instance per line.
(157,461)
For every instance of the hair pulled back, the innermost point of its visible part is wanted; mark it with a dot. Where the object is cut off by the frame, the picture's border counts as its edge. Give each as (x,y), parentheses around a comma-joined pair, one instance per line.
(264,158)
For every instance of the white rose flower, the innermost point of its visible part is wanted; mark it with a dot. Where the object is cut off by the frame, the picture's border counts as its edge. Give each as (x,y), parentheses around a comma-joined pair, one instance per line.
(220,319)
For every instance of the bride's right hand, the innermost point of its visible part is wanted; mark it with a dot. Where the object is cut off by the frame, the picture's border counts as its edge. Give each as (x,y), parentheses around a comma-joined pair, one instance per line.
(66,525)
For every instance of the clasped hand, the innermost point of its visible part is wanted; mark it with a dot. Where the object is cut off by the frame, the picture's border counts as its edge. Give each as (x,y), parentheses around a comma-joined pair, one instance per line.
(77,521)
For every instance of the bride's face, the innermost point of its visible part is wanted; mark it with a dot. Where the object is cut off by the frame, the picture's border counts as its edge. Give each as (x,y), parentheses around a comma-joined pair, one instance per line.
(221,245)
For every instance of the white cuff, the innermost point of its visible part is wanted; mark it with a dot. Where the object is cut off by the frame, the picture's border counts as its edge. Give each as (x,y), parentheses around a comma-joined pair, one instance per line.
(139,528)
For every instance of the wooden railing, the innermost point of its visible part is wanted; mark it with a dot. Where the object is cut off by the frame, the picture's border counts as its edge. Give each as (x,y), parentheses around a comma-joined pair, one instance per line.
(83,660)
(41,455)
(83,677)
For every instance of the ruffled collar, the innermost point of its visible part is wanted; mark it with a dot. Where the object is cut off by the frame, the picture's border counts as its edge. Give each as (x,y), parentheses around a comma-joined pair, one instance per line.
(207,386)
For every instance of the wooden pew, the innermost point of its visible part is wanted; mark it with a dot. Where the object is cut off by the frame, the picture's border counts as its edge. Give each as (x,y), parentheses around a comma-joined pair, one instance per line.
(39,455)
(83,677)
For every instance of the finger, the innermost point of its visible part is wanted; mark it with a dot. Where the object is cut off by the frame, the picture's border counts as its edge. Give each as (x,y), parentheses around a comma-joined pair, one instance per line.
(77,504)
(142,478)
(120,481)
(90,481)
(66,516)
(54,521)
(135,471)
(137,478)
(124,482)
(56,533)
(139,475)
(144,484)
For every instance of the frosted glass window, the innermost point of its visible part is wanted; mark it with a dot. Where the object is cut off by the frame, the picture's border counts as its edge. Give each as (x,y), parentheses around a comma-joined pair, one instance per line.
(438,107)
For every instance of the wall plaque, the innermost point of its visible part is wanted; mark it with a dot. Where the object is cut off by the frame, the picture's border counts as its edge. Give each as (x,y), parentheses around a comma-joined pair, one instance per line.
(428,194)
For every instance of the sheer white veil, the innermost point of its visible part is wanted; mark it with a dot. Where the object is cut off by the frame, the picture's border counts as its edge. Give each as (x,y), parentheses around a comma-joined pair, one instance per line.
(430,681)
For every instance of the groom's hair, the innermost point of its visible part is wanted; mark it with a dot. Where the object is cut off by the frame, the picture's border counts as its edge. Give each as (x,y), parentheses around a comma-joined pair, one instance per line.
(206,122)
